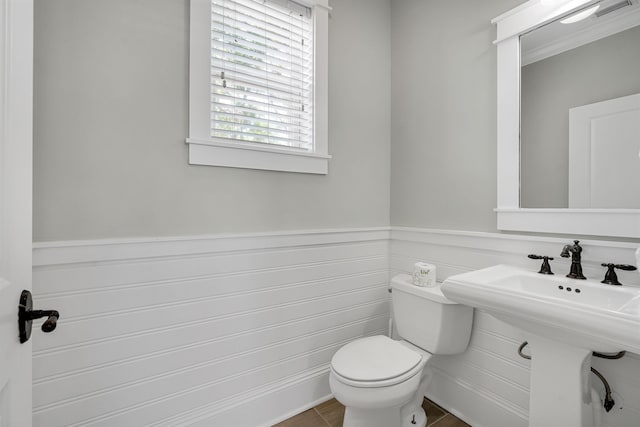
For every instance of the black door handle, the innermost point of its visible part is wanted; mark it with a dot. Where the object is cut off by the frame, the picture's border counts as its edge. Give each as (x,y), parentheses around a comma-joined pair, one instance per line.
(26,316)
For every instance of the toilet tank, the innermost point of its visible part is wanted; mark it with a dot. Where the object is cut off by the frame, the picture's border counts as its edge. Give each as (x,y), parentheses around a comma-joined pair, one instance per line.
(427,319)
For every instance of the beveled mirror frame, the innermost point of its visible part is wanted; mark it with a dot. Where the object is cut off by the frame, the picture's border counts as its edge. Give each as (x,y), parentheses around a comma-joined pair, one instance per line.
(602,222)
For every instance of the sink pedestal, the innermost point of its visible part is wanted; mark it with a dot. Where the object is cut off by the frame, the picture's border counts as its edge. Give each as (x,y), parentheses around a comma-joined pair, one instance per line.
(560,391)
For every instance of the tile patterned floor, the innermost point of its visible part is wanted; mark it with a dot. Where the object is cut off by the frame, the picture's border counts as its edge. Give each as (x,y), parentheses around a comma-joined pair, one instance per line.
(330,413)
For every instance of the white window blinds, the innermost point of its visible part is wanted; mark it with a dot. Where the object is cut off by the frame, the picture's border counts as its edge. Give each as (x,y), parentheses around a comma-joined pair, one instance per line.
(262,73)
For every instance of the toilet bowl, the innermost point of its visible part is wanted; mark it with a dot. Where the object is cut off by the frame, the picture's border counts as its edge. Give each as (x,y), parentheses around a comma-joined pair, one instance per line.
(374,378)
(380,381)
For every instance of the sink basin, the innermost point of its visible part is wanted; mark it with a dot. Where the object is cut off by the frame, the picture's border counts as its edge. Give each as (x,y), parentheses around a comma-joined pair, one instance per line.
(564,321)
(584,313)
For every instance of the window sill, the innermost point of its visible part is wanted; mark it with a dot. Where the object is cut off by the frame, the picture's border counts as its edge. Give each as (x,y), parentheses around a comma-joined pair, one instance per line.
(212,153)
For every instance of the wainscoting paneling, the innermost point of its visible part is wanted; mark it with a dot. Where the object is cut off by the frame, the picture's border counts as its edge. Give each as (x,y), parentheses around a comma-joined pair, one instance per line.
(222,330)
(488,385)
(238,330)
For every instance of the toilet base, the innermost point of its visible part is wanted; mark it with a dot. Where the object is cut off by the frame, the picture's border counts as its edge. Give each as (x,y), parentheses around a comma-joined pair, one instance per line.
(405,411)
(355,417)
(417,419)
(412,414)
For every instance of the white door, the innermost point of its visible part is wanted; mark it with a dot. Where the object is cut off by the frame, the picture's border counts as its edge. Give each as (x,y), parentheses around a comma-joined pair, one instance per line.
(16,70)
(604,144)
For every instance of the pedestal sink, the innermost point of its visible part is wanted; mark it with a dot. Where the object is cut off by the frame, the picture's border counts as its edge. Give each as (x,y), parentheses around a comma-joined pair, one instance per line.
(564,321)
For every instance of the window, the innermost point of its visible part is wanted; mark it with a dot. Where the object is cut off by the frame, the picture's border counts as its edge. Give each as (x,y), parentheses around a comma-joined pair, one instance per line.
(258,85)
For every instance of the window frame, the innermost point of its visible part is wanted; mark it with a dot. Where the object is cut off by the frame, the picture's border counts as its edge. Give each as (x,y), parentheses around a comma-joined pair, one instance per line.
(203,150)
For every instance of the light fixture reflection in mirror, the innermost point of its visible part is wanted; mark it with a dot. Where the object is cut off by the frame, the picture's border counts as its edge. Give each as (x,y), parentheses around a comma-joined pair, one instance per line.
(566,67)
(577,17)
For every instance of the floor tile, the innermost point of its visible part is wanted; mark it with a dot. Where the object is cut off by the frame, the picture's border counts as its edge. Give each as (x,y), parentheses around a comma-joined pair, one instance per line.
(332,412)
(450,421)
(308,418)
(434,412)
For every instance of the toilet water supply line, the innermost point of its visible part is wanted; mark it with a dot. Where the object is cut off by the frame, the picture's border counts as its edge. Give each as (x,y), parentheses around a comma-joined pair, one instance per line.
(608,400)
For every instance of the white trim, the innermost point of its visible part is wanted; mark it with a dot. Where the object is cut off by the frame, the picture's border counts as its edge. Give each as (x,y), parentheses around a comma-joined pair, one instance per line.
(213,153)
(257,147)
(106,250)
(321,77)
(301,409)
(601,222)
(203,150)
(199,69)
(516,11)
(16,204)
(508,132)
(615,223)
(319,377)
(493,400)
(269,398)
(488,240)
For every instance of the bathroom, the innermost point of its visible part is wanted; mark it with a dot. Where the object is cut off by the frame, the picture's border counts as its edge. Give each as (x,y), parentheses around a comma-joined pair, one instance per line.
(216,296)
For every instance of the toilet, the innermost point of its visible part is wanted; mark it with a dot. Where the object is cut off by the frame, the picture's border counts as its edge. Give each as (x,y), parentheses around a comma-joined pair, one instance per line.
(380,381)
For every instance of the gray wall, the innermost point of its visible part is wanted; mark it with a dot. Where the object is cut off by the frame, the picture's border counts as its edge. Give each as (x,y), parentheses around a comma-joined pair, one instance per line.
(606,69)
(111,83)
(443,113)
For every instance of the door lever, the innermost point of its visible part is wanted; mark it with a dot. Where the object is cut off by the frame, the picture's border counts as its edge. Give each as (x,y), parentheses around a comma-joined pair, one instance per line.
(26,316)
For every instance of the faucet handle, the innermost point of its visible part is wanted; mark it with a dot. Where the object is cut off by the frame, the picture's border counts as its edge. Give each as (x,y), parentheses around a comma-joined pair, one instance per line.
(610,277)
(545,268)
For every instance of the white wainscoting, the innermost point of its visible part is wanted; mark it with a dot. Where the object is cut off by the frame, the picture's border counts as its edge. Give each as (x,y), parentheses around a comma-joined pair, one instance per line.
(488,385)
(238,330)
(228,331)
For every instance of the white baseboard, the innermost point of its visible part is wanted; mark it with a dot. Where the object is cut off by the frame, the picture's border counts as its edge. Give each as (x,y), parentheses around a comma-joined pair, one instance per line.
(276,404)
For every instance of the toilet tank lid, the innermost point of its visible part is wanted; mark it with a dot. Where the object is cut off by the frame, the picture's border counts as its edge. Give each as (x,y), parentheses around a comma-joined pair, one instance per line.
(404,283)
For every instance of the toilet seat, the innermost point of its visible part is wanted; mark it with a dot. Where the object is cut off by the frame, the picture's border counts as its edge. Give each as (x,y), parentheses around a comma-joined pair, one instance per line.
(376,361)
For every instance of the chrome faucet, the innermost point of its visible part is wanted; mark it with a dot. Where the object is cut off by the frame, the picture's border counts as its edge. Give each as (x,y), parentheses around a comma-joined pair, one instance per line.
(576,267)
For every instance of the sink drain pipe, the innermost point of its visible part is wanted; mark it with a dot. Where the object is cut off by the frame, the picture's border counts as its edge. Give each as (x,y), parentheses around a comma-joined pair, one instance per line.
(608,400)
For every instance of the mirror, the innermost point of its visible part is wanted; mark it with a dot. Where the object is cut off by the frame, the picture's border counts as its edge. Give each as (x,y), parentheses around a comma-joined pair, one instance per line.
(580,110)
(614,221)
